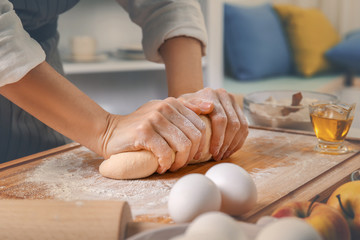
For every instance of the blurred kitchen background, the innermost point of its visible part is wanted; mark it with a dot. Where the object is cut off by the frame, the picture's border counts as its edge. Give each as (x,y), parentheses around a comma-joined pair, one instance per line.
(120,80)
(117,83)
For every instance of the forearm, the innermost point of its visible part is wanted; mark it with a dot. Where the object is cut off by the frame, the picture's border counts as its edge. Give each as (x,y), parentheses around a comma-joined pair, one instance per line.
(55,101)
(182,58)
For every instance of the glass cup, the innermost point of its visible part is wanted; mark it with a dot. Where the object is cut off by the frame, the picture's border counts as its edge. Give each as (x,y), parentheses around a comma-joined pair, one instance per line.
(331,123)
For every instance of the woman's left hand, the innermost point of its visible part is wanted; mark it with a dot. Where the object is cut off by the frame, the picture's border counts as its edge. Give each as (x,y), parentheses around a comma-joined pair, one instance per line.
(229,126)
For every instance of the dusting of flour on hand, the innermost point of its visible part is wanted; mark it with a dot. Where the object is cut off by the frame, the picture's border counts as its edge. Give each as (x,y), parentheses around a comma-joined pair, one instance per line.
(70,177)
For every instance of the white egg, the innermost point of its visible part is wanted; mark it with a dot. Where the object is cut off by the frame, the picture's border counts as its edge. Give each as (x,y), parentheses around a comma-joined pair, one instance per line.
(238,189)
(216,225)
(191,196)
(288,228)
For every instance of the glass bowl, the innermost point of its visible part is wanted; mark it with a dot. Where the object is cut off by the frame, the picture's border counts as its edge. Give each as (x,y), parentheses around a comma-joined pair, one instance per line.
(274,108)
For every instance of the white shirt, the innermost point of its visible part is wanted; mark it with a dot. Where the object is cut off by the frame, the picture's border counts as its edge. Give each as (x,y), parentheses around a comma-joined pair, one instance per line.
(159,20)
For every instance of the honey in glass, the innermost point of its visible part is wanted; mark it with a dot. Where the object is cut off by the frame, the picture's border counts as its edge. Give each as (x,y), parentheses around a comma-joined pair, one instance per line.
(331,123)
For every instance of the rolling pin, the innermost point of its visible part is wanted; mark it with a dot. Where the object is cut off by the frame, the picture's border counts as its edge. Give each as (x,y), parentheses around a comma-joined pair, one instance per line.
(53,219)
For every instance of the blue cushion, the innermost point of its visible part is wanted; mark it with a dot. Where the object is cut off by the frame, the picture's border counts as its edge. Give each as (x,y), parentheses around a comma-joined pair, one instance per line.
(346,54)
(353,34)
(255,44)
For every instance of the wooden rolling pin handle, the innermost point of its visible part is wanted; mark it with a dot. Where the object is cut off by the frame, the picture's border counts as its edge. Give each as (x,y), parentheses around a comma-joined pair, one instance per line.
(51,219)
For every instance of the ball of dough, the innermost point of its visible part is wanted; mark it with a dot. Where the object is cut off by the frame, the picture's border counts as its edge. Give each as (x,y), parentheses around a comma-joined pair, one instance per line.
(140,164)
(238,189)
(191,196)
(129,165)
(288,228)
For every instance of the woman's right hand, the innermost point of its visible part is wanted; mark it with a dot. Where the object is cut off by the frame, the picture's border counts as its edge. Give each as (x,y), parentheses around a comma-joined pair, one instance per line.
(163,127)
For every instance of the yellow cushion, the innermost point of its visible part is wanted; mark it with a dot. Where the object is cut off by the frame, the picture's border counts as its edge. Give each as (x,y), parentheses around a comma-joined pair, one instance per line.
(310,34)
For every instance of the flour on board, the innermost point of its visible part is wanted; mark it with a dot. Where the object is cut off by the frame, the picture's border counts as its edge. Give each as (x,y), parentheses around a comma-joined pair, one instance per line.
(70,177)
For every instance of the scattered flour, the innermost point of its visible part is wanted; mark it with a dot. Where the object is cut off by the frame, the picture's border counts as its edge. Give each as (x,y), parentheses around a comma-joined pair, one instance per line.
(294,170)
(70,177)
(74,175)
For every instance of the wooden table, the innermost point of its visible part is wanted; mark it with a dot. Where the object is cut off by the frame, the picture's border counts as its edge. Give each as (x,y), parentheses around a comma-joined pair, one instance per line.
(282,164)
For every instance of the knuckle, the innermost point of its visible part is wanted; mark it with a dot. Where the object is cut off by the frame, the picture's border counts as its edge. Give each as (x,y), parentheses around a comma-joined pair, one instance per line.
(143,128)
(207,89)
(155,117)
(185,146)
(196,136)
(232,97)
(222,91)
(163,106)
(220,119)
(202,127)
(245,126)
(234,125)
(170,101)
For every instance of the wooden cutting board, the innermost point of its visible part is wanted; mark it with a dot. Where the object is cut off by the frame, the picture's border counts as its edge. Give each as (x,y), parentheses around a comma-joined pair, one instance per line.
(282,164)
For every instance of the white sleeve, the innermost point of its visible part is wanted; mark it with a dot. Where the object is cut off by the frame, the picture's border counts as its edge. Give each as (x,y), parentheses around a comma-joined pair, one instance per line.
(164,19)
(19,53)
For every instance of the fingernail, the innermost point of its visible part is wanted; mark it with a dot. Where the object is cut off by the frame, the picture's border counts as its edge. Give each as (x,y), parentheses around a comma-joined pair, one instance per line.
(205,105)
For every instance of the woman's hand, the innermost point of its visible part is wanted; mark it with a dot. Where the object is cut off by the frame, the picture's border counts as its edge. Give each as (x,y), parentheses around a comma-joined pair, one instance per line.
(229,126)
(160,126)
